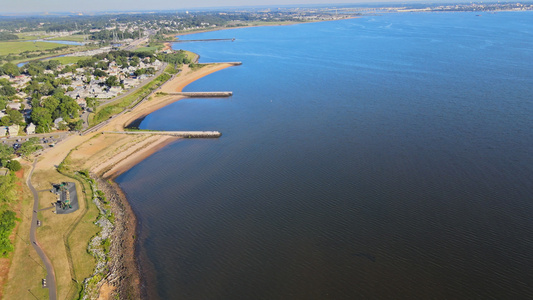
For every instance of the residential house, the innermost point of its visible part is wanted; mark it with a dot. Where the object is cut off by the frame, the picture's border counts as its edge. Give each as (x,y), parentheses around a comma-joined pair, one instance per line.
(3,130)
(14,130)
(14,105)
(81,102)
(115,89)
(130,82)
(30,129)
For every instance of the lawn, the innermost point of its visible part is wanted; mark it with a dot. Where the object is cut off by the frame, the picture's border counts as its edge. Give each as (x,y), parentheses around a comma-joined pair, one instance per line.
(150,49)
(57,235)
(65,60)
(26,272)
(36,35)
(19,47)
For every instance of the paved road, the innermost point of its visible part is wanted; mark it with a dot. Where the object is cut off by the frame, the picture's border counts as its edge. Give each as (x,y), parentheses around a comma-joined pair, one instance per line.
(50,274)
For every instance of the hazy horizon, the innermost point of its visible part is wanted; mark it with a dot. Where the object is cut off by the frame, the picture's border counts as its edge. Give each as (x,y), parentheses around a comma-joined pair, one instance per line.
(36,6)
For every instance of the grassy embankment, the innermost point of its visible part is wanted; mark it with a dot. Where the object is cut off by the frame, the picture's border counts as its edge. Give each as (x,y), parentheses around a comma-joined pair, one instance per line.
(105,111)
(26,270)
(69,59)
(67,251)
(19,47)
(39,49)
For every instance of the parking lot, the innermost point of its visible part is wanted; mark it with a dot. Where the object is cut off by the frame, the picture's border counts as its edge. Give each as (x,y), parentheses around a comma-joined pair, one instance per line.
(46,140)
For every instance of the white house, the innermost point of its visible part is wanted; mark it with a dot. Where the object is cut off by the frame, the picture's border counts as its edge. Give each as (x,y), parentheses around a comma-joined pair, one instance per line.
(3,130)
(14,105)
(14,130)
(30,129)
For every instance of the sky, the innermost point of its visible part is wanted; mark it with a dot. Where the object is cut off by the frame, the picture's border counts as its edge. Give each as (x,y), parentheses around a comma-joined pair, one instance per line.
(26,6)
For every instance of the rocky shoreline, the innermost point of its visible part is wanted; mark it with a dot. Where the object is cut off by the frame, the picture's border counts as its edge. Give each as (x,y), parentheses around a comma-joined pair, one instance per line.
(123,279)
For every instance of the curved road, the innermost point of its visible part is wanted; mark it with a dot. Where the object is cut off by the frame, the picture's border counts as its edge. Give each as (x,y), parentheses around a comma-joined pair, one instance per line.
(50,275)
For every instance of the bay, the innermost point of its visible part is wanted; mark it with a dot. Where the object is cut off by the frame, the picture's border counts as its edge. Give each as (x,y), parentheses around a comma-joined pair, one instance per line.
(382,157)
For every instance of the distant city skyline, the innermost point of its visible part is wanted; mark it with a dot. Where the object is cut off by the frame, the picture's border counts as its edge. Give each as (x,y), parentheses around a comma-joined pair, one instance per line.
(31,6)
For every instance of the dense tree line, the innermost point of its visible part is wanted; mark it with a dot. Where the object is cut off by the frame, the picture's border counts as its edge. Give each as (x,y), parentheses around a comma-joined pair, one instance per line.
(108,35)
(177,58)
(5,36)
(9,69)
(7,224)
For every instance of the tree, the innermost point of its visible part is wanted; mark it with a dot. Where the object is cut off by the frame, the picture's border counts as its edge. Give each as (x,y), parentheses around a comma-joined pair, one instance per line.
(13,165)
(5,121)
(7,90)
(112,81)
(42,118)
(50,103)
(68,107)
(7,224)
(6,153)
(15,116)
(91,102)
(77,125)
(46,88)
(11,69)
(99,73)
(29,147)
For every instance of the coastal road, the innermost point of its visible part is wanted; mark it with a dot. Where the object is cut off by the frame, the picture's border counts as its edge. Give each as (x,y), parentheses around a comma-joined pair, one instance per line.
(50,274)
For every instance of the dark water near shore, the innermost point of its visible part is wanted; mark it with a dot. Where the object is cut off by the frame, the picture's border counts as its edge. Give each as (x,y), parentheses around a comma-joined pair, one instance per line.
(383,157)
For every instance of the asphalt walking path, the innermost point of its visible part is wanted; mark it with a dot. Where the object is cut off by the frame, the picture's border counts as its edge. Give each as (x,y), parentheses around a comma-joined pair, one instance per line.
(50,274)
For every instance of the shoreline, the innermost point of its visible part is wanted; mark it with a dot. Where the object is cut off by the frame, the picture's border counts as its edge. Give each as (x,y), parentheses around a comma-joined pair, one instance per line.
(106,156)
(126,274)
(261,25)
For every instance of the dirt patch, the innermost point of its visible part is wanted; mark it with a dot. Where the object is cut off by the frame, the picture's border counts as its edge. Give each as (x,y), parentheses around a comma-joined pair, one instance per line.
(106,292)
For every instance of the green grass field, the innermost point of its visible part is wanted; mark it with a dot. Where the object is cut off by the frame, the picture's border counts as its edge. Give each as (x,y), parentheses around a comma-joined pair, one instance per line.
(72,38)
(151,49)
(19,47)
(28,36)
(69,59)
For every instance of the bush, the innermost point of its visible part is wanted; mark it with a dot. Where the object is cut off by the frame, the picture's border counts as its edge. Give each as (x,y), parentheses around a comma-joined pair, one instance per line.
(13,165)
(7,223)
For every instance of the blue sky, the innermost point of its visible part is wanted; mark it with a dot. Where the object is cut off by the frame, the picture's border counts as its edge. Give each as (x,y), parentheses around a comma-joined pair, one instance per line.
(25,6)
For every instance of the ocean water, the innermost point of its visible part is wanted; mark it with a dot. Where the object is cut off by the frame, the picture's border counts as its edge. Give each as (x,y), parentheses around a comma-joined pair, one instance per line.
(383,157)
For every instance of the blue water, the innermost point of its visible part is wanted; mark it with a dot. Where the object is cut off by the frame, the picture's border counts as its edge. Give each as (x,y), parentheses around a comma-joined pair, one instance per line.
(60,42)
(383,157)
